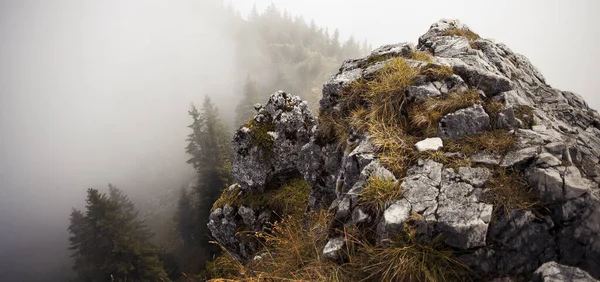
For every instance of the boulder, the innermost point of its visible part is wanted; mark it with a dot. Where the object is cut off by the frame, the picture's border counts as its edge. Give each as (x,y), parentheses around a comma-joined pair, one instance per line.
(464,122)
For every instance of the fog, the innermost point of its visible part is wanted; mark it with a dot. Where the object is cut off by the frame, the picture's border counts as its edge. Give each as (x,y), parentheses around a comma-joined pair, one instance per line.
(93,92)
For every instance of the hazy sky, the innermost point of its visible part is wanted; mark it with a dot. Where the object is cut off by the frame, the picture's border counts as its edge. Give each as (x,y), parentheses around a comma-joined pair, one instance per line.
(93,92)
(560,37)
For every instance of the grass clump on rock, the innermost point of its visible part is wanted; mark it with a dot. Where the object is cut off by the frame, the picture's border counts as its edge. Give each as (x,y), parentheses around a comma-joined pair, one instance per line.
(424,117)
(406,258)
(508,191)
(526,115)
(437,72)
(470,35)
(290,198)
(498,142)
(379,192)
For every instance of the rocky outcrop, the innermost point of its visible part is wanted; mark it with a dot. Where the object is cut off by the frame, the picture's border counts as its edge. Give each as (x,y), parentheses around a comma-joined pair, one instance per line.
(552,146)
(268,147)
(554,272)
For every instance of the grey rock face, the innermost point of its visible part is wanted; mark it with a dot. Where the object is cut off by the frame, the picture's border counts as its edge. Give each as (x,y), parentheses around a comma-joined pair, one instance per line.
(423,92)
(461,214)
(291,122)
(394,218)
(554,272)
(465,122)
(334,248)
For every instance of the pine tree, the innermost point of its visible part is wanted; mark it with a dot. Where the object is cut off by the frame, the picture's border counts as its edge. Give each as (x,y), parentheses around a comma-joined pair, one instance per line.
(110,244)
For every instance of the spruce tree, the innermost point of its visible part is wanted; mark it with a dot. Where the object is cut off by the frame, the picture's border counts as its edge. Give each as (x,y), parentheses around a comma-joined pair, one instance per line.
(209,145)
(110,244)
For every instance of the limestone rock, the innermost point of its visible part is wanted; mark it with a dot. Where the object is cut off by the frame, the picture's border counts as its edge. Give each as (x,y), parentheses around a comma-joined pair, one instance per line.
(465,122)
(554,272)
(270,149)
(429,144)
(334,248)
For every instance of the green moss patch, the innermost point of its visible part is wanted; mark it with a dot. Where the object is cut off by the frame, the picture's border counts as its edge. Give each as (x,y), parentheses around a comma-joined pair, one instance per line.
(290,198)
(259,135)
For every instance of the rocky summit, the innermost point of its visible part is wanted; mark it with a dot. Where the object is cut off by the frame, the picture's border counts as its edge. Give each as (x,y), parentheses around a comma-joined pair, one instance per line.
(456,141)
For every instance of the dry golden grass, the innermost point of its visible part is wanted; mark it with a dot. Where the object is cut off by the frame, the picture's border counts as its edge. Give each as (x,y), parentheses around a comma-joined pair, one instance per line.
(386,93)
(405,258)
(459,162)
(331,128)
(421,56)
(437,156)
(526,115)
(425,116)
(396,148)
(493,108)
(379,192)
(292,251)
(496,141)
(358,119)
(471,36)
(437,72)
(224,267)
(508,191)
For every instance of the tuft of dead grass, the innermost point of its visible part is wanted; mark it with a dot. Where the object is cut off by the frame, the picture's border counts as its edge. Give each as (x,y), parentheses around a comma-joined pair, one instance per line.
(493,108)
(435,72)
(421,56)
(425,116)
(379,192)
(330,128)
(396,148)
(386,93)
(508,191)
(291,250)
(526,115)
(436,156)
(496,141)
(406,258)
(470,35)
